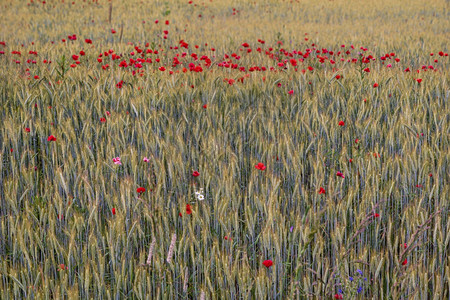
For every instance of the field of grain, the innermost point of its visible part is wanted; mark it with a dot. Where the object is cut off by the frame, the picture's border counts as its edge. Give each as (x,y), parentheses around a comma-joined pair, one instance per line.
(224,149)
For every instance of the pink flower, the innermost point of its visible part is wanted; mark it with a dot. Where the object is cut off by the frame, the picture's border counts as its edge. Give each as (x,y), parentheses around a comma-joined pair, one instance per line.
(117,161)
(146,159)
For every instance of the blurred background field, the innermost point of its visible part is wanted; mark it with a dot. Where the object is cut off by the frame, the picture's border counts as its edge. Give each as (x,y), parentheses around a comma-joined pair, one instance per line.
(316,133)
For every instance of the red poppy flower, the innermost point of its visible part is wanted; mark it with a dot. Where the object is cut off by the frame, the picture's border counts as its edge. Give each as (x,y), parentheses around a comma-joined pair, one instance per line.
(113,211)
(376,215)
(27,129)
(51,138)
(322,190)
(88,41)
(375,85)
(341,123)
(188,209)
(338,296)
(405,262)
(195,174)
(205,106)
(339,174)
(140,190)
(267,263)
(103,120)
(260,166)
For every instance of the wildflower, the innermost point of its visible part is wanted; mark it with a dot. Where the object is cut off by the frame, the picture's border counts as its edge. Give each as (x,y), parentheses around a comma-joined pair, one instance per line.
(116,161)
(199,195)
(322,191)
(195,174)
(338,296)
(146,159)
(267,263)
(291,92)
(188,209)
(204,106)
(140,190)
(102,120)
(51,138)
(341,123)
(27,129)
(375,85)
(405,262)
(376,215)
(291,229)
(113,211)
(260,166)
(359,289)
(339,174)
(359,272)
(350,278)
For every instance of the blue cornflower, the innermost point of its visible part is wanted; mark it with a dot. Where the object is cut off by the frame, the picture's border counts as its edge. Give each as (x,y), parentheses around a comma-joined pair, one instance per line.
(359,289)
(340,291)
(360,272)
(351,278)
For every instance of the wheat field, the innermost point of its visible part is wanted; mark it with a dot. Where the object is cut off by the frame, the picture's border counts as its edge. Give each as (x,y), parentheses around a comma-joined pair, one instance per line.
(224,149)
